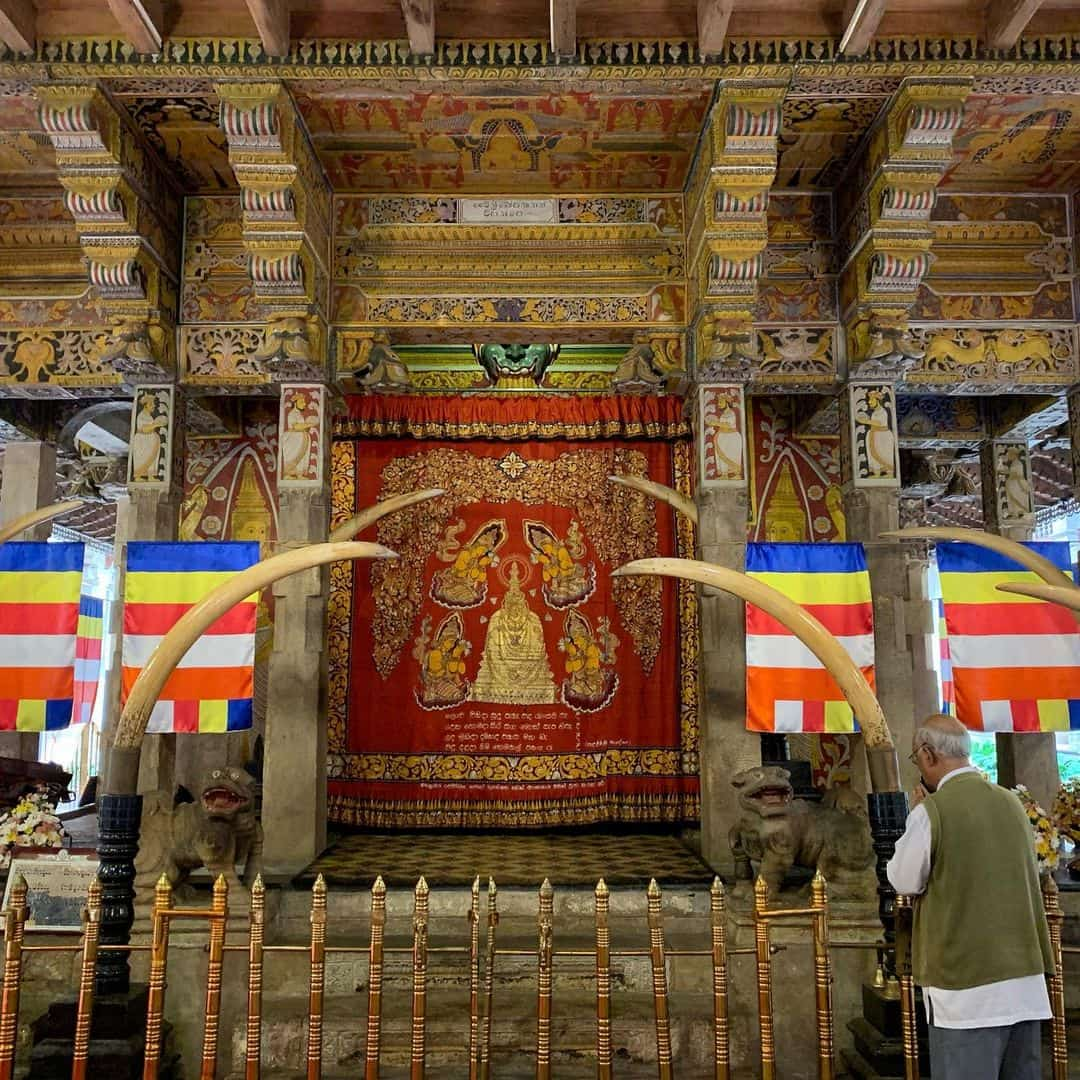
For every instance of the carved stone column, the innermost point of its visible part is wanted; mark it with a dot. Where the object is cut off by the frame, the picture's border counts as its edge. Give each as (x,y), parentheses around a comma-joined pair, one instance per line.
(723,508)
(294,776)
(1009,509)
(29,482)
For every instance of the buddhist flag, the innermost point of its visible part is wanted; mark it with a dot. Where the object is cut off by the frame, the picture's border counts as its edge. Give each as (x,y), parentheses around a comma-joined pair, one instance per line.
(87,657)
(1015,660)
(948,688)
(39,614)
(211,689)
(787,688)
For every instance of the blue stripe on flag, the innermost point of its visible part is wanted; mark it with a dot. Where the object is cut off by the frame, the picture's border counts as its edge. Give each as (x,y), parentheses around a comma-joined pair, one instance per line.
(91,607)
(805,558)
(40,556)
(238,716)
(148,556)
(962,558)
(57,714)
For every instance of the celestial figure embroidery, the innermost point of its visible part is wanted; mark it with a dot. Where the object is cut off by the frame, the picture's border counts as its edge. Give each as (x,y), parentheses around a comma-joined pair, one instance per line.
(514,667)
(464,583)
(590,682)
(566,579)
(442,664)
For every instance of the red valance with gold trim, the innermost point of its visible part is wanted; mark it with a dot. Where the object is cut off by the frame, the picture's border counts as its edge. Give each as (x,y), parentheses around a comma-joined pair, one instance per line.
(496,675)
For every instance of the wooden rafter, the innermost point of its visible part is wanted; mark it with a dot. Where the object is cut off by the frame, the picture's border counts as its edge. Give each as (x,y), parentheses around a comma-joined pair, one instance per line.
(564,27)
(712,23)
(861,20)
(1006,19)
(17,19)
(271,18)
(420,24)
(140,22)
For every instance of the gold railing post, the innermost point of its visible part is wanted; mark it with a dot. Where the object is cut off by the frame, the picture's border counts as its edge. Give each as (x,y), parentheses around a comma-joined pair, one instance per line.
(256,936)
(85,1008)
(219,915)
(908,1018)
(717,920)
(659,982)
(474,979)
(1059,1043)
(159,956)
(14,928)
(819,901)
(489,981)
(603,983)
(317,979)
(764,979)
(375,977)
(419,985)
(545,923)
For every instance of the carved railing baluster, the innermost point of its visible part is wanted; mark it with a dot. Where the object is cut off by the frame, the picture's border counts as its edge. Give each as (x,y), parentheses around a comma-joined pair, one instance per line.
(14,929)
(819,901)
(159,958)
(85,1008)
(317,982)
(545,922)
(603,983)
(721,1035)
(256,937)
(659,982)
(375,980)
(489,982)
(474,979)
(419,970)
(219,915)
(764,979)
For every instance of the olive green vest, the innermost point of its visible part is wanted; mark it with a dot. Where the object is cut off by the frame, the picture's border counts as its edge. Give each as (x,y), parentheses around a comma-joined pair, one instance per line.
(981,917)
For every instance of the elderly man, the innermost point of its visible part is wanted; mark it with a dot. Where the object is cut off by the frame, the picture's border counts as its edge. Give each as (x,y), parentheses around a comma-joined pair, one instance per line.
(980,945)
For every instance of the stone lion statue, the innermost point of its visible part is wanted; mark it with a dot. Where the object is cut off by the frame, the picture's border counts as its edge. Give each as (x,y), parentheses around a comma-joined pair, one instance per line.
(776,831)
(218,830)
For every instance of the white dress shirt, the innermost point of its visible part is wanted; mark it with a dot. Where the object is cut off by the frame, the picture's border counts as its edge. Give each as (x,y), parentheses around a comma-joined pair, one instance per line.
(996,1004)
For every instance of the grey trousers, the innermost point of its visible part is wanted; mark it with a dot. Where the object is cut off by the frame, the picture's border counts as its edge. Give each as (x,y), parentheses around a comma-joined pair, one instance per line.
(991,1053)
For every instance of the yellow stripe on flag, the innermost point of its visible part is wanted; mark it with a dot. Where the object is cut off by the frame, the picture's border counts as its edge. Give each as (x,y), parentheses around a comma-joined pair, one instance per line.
(981,587)
(1054,715)
(824,588)
(838,717)
(46,587)
(213,717)
(30,716)
(175,588)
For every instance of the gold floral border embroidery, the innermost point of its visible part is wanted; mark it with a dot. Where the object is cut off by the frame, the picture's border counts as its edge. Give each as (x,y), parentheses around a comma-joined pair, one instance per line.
(350,428)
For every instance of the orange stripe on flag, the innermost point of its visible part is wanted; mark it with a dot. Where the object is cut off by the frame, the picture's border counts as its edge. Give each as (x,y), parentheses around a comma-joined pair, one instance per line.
(766,685)
(1019,684)
(200,684)
(36,684)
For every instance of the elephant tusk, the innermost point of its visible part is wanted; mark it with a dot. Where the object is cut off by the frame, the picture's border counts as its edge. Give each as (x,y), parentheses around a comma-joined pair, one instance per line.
(661,492)
(36,517)
(367,517)
(1055,594)
(197,620)
(884,768)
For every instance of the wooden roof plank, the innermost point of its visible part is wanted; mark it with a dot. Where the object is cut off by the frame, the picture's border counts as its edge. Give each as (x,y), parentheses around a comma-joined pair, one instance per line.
(564,28)
(141,22)
(1006,19)
(861,21)
(420,25)
(712,24)
(18,20)
(271,18)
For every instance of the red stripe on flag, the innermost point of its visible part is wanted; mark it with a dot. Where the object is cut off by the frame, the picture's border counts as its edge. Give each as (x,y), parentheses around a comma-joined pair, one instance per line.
(39,618)
(1025,715)
(978,619)
(9,712)
(814,716)
(88,648)
(161,618)
(844,620)
(186,716)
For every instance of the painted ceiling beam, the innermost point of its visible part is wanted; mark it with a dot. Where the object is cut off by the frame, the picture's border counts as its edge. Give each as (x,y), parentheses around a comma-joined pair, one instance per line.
(564,28)
(271,18)
(140,22)
(1006,19)
(420,24)
(861,21)
(712,24)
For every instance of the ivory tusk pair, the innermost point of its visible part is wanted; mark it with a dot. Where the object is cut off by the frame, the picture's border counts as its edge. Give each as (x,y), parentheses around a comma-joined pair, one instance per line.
(37,517)
(368,516)
(661,492)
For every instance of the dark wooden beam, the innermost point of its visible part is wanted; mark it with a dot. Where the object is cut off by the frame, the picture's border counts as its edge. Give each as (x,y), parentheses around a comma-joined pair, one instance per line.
(564,28)
(1006,19)
(17,21)
(420,24)
(271,18)
(861,20)
(140,22)
(712,23)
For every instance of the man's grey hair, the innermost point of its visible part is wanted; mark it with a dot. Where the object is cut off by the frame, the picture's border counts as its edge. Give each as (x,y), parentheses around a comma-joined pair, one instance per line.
(945,743)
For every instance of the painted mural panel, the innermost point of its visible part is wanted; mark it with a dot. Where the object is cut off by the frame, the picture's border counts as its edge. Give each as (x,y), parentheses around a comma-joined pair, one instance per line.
(151,436)
(722,435)
(302,433)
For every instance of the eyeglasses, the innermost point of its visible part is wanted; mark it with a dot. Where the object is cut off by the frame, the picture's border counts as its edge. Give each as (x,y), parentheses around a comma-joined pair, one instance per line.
(913,757)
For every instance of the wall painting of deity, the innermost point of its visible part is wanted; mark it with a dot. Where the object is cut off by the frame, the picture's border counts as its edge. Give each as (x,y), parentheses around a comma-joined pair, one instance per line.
(151,436)
(722,434)
(300,445)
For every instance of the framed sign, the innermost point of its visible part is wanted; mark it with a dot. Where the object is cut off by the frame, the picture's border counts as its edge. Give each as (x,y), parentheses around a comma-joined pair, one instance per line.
(56,887)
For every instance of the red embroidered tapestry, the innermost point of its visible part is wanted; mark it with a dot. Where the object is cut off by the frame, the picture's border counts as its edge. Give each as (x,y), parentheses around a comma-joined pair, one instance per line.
(496,675)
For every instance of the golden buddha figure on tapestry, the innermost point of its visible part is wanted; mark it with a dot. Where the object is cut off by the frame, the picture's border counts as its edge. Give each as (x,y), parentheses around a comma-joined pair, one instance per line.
(442,663)
(590,681)
(567,579)
(464,583)
(514,668)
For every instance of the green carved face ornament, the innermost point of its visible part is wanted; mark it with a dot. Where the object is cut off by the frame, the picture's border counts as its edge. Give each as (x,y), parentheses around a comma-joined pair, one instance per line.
(502,361)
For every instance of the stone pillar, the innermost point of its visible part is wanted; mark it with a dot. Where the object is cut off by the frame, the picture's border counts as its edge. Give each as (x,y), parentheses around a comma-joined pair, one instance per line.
(723,507)
(29,482)
(1009,509)
(294,771)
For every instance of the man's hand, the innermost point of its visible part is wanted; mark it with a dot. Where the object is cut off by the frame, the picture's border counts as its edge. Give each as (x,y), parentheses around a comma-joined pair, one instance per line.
(917,795)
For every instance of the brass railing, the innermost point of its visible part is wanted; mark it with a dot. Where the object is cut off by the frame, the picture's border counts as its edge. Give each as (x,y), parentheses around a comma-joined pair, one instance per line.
(481,978)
